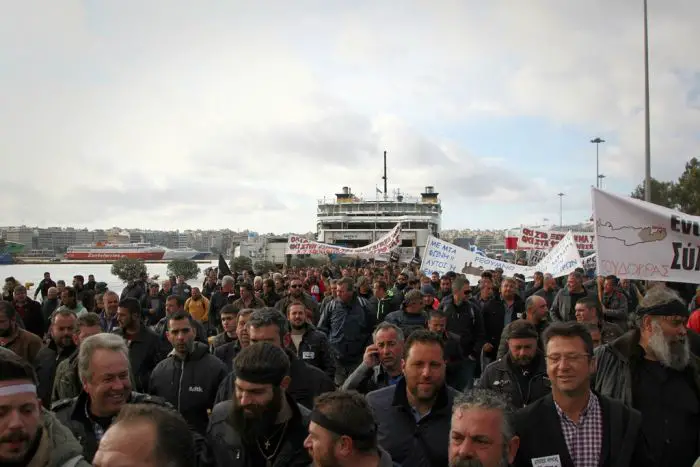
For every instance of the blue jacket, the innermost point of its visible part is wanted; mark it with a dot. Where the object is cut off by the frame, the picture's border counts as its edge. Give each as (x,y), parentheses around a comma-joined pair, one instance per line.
(348,327)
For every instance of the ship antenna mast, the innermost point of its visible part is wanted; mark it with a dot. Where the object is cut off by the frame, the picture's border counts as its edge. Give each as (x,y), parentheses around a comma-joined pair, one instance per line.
(384,177)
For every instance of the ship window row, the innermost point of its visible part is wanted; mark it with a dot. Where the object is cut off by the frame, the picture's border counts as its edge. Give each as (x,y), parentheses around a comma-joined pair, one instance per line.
(378,226)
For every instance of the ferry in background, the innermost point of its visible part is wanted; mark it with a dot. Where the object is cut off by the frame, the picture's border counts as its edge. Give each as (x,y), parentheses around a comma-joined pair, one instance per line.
(352,221)
(113,251)
(183,253)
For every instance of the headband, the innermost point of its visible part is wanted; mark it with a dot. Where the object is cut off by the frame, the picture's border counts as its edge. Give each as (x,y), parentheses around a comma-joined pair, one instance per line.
(14,389)
(340,428)
(673,308)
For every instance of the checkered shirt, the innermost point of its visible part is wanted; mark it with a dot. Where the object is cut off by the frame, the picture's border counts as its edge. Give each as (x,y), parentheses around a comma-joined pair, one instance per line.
(585,438)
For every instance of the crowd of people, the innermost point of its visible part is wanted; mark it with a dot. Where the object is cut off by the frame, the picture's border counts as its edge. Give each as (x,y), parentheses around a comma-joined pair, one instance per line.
(368,365)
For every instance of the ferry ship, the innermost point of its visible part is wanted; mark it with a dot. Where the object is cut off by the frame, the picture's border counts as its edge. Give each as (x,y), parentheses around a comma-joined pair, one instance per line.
(351,221)
(183,253)
(113,251)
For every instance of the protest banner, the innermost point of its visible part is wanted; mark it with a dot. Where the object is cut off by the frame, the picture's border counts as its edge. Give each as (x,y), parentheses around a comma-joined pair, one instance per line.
(443,257)
(297,245)
(561,260)
(535,256)
(537,239)
(640,240)
(589,262)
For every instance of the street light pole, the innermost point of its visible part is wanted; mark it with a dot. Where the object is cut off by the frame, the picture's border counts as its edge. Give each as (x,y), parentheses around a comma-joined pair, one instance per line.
(601,177)
(647,125)
(597,142)
(561,210)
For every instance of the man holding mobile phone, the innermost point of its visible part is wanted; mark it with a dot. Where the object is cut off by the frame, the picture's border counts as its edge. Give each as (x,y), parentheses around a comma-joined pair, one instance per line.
(381,363)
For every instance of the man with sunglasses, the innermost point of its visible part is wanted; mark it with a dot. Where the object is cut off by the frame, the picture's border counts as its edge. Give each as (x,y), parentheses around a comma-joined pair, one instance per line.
(297,294)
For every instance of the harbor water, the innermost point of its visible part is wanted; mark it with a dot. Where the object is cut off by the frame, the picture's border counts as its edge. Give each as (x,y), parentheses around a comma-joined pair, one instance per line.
(102,272)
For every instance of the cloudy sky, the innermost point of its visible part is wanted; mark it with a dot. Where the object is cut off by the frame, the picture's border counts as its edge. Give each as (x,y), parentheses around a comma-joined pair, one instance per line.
(240,114)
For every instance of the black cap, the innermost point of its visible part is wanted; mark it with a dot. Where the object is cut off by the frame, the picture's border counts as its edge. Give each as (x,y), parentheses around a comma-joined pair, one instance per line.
(673,308)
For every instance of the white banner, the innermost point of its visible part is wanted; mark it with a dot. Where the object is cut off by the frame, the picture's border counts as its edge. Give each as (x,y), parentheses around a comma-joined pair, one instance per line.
(640,240)
(297,245)
(406,254)
(538,239)
(444,257)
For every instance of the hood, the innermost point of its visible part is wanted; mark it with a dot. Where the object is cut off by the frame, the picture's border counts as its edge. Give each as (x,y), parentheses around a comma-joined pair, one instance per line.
(58,441)
(198,352)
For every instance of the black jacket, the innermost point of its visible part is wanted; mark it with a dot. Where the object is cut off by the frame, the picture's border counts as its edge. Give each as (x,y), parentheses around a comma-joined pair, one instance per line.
(381,307)
(410,443)
(145,351)
(45,365)
(501,376)
(33,318)
(315,350)
(623,443)
(494,313)
(72,413)
(230,450)
(43,288)
(307,383)
(136,290)
(218,300)
(227,352)
(190,385)
(465,321)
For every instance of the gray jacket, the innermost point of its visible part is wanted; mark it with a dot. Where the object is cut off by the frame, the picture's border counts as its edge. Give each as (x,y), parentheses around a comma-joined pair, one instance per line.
(562,309)
(365,379)
(58,447)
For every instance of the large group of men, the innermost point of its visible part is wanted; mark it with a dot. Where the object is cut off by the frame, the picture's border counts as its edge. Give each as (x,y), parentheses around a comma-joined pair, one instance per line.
(364,366)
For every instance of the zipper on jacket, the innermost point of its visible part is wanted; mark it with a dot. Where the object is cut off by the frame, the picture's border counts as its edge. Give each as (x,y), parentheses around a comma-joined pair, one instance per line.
(179,386)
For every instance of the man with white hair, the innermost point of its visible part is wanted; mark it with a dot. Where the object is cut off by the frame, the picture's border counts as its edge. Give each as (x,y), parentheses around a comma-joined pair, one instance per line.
(220,298)
(651,369)
(103,367)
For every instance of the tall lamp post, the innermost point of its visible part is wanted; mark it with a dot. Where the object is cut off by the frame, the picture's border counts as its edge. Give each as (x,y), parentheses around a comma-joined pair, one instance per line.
(601,177)
(647,127)
(561,210)
(597,142)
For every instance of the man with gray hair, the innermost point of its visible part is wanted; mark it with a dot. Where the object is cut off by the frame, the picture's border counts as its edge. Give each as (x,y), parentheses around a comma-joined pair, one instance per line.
(103,367)
(381,363)
(226,295)
(562,308)
(481,432)
(651,369)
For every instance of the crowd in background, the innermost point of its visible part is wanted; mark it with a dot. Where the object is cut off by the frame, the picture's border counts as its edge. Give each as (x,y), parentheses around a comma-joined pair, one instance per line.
(368,364)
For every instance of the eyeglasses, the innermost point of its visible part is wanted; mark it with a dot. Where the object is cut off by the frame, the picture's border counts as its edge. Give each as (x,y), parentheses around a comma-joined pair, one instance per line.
(571,357)
(295,286)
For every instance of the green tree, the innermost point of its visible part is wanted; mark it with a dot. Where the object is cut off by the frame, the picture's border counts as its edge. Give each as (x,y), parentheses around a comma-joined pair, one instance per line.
(687,191)
(129,269)
(183,267)
(239,263)
(662,193)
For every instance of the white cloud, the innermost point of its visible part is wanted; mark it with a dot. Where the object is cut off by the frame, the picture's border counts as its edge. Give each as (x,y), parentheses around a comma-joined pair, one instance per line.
(166,114)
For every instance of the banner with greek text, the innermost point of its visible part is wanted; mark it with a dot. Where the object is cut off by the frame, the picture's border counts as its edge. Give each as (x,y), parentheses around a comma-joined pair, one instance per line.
(297,245)
(443,257)
(590,262)
(640,240)
(538,239)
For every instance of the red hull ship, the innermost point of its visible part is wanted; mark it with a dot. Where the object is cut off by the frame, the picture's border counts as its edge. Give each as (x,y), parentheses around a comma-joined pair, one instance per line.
(112,252)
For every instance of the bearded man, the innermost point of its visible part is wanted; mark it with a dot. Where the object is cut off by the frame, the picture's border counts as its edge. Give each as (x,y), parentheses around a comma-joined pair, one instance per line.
(261,425)
(652,370)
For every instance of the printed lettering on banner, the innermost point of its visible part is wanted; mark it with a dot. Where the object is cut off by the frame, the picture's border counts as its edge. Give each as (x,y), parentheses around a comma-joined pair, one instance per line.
(297,245)
(640,240)
(589,262)
(443,257)
(547,461)
(536,239)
